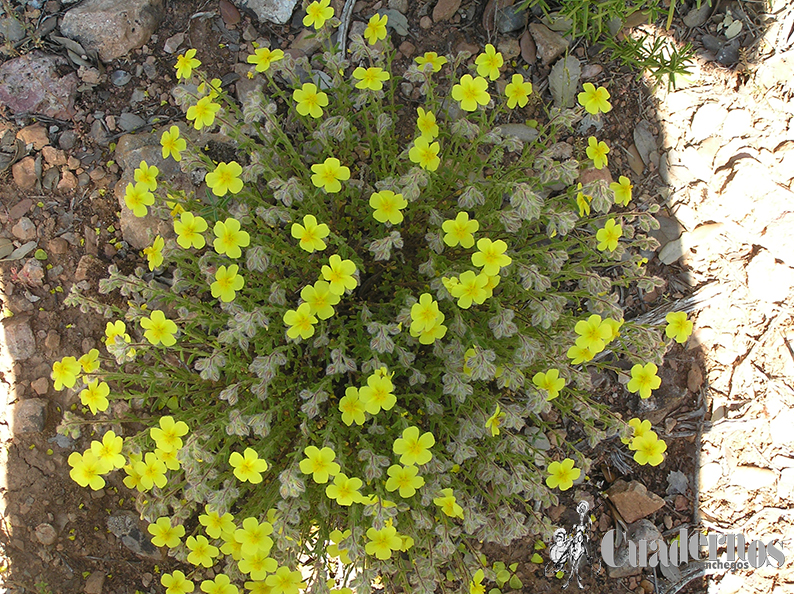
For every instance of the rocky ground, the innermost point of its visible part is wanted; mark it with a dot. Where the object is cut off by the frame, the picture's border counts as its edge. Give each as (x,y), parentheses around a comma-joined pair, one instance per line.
(83,85)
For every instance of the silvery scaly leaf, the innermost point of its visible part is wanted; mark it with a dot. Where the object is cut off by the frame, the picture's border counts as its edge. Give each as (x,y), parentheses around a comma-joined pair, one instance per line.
(564,81)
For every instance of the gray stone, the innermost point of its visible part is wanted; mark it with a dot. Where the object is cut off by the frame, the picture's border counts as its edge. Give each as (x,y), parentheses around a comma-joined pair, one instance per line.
(669,230)
(29,416)
(396,20)
(521,131)
(550,45)
(113,27)
(46,534)
(120,77)
(12,29)
(31,84)
(564,80)
(509,48)
(511,18)
(643,530)
(129,121)
(274,11)
(633,500)
(644,140)
(24,230)
(172,43)
(399,5)
(126,527)
(19,339)
(67,140)
(698,16)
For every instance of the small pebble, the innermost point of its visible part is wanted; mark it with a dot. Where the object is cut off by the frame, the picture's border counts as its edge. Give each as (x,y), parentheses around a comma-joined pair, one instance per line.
(120,78)
(46,534)
(425,22)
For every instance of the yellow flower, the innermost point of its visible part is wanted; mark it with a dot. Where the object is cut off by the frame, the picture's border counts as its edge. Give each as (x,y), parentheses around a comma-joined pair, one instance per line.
(344,490)
(425,154)
(147,176)
(95,396)
(164,534)
(185,63)
(65,372)
(414,448)
(154,253)
(264,57)
(320,299)
(248,466)
(370,78)
(168,436)
(424,313)
(317,13)
(550,381)
(597,151)
(301,322)
(212,89)
(433,59)
(579,354)
(253,536)
(476,586)
(448,504)
(583,202)
(328,174)
(614,327)
(137,198)
(310,234)
(215,524)
(201,552)
(470,92)
(593,333)
(426,122)
(644,379)
(189,229)
(489,62)
(89,362)
(491,256)
(227,283)
(376,28)
(640,428)
(319,463)
(678,326)
(285,581)
(339,273)
(430,335)
(176,583)
(405,479)
(649,449)
(225,178)
(470,289)
(622,190)
(87,470)
(562,475)
(229,238)
(495,420)
(608,236)
(168,458)
(388,206)
(594,100)
(172,144)
(352,407)
(460,230)
(382,542)
(203,113)
(159,329)
(114,329)
(518,91)
(151,471)
(377,394)
(309,100)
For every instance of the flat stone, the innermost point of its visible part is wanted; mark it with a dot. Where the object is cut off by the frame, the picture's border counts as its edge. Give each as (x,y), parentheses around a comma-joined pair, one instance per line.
(46,534)
(19,339)
(95,583)
(644,140)
(785,484)
(521,131)
(550,45)
(407,49)
(113,27)
(511,18)
(58,245)
(737,123)
(767,280)
(53,156)
(509,48)
(698,16)
(274,11)
(86,266)
(710,475)
(41,386)
(399,5)
(68,182)
(35,134)
(126,527)
(753,478)
(529,52)
(445,10)
(592,174)
(24,173)
(31,84)
(129,121)
(708,118)
(29,416)
(643,530)
(633,500)
(24,229)
(694,379)
(20,209)
(669,229)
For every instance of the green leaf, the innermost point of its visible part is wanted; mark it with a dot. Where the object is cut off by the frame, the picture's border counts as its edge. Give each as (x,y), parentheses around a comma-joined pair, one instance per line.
(173,403)
(536,558)
(450,576)
(494,591)
(513,566)
(515,583)
(498,566)
(539,545)
(40,255)
(502,577)
(560,574)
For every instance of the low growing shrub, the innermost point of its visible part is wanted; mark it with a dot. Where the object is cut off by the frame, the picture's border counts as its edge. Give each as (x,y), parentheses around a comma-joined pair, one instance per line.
(367,348)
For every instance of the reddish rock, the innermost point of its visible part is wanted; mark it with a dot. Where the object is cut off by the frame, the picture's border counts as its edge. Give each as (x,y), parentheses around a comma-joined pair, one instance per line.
(425,22)
(68,182)
(31,84)
(54,156)
(633,500)
(445,10)
(85,266)
(407,49)
(24,173)
(58,245)
(20,209)
(592,174)
(35,135)
(529,52)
